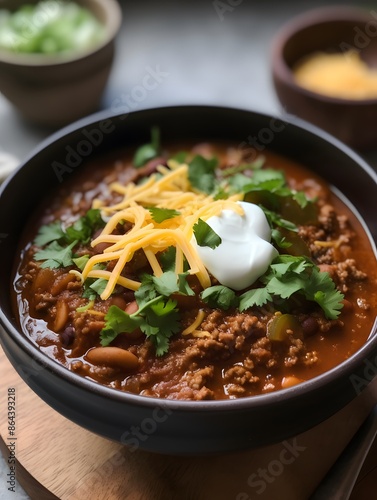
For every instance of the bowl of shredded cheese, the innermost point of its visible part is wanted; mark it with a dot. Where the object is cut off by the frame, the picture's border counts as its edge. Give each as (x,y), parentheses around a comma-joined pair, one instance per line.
(323,70)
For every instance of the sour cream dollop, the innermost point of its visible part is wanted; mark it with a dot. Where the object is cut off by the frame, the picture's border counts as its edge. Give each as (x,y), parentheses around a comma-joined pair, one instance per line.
(245,251)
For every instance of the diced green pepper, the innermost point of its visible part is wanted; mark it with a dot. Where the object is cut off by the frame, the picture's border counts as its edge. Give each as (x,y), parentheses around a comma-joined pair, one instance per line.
(281,326)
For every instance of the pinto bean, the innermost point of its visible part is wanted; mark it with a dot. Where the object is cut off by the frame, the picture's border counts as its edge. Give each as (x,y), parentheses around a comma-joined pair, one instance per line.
(132,307)
(61,317)
(327,268)
(114,357)
(44,280)
(61,283)
(119,301)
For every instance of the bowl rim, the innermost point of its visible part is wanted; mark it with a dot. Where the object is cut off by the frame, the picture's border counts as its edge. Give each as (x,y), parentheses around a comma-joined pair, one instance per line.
(317,16)
(346,368)
(33,60)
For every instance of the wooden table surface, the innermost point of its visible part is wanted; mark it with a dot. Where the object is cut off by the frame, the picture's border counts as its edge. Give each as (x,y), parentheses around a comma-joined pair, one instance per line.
(58,459)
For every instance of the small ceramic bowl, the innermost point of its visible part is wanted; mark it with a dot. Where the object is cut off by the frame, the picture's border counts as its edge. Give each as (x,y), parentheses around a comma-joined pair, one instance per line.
(327,30)
(185,427)
(54,90)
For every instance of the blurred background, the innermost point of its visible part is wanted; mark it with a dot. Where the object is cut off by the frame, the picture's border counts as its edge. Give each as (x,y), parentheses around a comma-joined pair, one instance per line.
(181,52)
(197,51)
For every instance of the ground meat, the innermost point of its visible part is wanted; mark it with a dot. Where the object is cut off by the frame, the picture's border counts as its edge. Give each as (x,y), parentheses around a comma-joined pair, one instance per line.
(230,355)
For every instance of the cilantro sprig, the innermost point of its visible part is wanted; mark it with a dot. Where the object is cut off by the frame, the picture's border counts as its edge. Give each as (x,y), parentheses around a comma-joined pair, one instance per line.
(148,151)
(289,275)
(157,315)
(202,173)
(55,255)
(59,242)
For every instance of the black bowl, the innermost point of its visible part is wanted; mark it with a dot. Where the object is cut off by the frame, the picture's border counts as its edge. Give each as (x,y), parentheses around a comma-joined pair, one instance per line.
(166,426)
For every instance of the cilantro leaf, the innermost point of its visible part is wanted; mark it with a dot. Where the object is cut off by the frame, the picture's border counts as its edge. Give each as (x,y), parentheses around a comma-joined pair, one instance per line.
(205,236)
(49,233)
(255,165)
(55,255)
(82,229)
(167,259)
(279,239)
(99,285)
(158,320)
(180,157)
(80,262)
(58,252)
(161,214)
(169,283)
(166,284)
(163,317)
(201,173)
(146,291)
(183,286)
(255,297)
(148,151)
(289,275)
(322,290)
(286,286)
(275,218)
(157,315)
(118,321)
(219,296)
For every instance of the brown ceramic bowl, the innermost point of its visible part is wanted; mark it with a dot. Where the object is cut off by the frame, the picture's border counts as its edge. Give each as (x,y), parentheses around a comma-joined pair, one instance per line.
(54,90)
(327,29)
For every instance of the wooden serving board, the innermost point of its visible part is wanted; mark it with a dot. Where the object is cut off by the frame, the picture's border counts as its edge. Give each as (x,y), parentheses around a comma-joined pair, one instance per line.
(55,458)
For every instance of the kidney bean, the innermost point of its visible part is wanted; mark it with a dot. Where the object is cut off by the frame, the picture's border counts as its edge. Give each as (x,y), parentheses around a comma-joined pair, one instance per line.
(101,246)
(67,336)
(114,357)
(309,326)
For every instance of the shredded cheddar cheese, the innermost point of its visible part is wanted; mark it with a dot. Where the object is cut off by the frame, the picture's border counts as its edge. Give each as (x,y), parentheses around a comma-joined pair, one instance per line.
(169,189)
(197,322)
(343,75)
